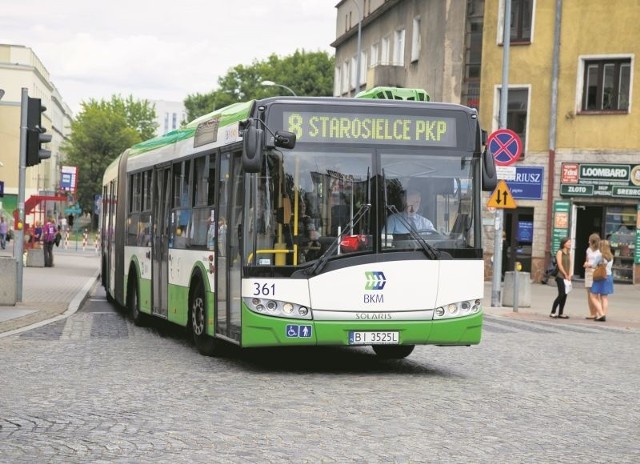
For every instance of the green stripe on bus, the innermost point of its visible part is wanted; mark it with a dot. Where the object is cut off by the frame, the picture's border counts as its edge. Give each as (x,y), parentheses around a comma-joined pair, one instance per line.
(259,330)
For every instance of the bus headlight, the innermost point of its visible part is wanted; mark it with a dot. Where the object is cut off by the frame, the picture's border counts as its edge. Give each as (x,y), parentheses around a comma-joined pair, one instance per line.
(277,308)
(458,309)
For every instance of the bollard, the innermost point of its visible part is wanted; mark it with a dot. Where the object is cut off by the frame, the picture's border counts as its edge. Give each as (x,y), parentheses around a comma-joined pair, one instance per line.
(517,289)
(9,287)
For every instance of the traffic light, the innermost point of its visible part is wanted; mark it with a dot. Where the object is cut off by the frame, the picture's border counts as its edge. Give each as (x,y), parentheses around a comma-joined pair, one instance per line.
(70,220)
(36,133)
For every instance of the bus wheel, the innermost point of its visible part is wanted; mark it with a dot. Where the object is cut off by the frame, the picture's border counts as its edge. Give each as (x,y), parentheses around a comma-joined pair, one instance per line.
(133,301)
(205,344)
(393,351)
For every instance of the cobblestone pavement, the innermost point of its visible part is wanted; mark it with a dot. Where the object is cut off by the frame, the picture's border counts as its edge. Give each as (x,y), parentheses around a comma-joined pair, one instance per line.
(95,388)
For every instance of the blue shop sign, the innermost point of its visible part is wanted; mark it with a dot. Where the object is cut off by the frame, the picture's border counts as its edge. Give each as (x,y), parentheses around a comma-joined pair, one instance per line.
(528,182)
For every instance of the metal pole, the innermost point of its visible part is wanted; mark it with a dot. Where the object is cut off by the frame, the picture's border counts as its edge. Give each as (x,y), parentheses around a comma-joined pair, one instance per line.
(19,244)
(358,46)
(553,118)
(504,97)
(515,290)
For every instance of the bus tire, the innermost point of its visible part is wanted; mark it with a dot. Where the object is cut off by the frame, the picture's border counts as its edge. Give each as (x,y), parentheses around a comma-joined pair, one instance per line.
(393,351)
(133,300)
(205,344)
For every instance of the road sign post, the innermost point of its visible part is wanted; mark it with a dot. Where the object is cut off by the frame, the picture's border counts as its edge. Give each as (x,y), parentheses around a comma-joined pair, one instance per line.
(506,147)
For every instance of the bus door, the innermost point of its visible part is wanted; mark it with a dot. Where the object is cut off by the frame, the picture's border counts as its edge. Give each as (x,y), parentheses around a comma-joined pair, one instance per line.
(160,243)
(229,275)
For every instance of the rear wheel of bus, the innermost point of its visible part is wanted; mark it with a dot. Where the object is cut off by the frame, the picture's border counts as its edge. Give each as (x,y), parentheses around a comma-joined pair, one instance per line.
(393,351)
(205,344)
(133,300)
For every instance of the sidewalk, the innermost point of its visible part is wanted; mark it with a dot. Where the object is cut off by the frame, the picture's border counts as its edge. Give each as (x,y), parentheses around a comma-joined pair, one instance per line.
(49,294)
(624,305)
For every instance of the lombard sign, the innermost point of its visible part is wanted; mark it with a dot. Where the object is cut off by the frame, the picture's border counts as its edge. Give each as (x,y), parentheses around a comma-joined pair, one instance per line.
(606,180)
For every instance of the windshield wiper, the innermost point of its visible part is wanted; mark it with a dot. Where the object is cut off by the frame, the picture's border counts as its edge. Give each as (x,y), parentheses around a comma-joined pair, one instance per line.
(322,260)
(429,251)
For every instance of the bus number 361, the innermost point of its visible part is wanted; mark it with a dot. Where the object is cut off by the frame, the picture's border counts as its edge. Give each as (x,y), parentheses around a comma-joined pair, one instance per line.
(264,289)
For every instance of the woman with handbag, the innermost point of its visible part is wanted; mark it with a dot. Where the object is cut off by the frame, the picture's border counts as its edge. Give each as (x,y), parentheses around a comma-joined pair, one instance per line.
(603,287)
(593,257)
(563,260)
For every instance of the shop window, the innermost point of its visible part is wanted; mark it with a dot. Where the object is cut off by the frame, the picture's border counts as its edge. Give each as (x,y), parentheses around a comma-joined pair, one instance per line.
(620,230)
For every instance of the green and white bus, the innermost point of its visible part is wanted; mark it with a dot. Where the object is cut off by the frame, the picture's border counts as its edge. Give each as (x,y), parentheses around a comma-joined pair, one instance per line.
(265,224)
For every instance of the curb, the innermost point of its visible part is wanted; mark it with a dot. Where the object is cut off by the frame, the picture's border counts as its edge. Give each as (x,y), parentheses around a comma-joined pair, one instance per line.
(73,307)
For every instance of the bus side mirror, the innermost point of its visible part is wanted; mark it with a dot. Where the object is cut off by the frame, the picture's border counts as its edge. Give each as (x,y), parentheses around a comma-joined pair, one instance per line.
(284,139)
(252,149)
(489,175)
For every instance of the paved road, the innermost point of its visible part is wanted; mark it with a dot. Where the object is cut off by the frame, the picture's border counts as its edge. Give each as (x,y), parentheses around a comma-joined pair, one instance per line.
(95,388)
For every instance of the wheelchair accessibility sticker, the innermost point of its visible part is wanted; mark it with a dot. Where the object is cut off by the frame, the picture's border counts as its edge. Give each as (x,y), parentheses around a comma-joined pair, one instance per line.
(298,331)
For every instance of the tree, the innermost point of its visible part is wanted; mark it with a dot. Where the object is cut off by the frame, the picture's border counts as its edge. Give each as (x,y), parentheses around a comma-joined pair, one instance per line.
(101,131)
(307,74)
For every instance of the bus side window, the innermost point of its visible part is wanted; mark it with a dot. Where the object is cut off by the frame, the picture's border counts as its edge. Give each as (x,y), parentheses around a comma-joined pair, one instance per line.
(201,209)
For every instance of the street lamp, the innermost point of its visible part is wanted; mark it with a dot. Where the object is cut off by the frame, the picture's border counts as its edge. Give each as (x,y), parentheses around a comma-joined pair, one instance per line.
(273,84)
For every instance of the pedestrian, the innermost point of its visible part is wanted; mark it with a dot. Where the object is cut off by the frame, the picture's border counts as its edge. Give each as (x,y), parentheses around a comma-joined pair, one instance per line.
(603,288)
(37,235)
(3,232)
(49,238)
(593,257)
(563,278)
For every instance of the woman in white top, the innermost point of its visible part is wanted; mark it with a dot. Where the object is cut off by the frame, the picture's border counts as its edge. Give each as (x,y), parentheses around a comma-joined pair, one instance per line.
(593,257)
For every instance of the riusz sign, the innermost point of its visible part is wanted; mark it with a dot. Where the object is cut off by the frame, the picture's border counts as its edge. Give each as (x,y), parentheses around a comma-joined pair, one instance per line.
(527,182)
(605,180)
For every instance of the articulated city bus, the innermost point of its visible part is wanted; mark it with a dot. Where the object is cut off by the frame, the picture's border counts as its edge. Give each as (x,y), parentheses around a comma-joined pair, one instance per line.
(267,223)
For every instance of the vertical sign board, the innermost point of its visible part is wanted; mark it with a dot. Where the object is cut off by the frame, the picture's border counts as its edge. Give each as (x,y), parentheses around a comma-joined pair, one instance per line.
(69,178)
(636,252)
(561,212)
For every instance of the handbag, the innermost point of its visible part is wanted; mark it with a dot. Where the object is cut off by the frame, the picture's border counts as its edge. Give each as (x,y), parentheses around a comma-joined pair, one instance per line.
(552,270)
(600,273)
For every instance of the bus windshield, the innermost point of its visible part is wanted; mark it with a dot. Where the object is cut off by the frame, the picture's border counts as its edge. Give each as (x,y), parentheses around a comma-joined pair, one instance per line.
(307,199)
(370,177)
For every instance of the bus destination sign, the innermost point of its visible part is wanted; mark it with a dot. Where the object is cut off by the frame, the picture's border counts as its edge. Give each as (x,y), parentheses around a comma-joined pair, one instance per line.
(371,128)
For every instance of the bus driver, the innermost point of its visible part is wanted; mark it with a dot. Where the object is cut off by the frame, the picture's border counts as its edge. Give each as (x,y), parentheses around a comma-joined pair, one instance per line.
(396,222)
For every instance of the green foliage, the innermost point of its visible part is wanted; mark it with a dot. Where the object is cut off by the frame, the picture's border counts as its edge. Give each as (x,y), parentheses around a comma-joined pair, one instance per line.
(101,131)
(307,74)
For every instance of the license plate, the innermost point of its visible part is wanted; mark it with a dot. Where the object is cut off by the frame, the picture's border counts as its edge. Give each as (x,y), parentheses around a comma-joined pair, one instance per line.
(374,338)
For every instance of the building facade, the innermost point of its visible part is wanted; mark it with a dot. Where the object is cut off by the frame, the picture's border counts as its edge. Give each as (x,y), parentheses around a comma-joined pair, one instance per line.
(570,100)
(409,43)
(21,68)
(170,115)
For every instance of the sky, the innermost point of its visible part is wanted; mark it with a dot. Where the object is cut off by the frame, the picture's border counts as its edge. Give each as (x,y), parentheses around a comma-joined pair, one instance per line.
(159,50)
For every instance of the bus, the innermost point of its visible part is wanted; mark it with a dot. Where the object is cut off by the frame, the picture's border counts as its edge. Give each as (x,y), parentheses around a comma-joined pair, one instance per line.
(264,224)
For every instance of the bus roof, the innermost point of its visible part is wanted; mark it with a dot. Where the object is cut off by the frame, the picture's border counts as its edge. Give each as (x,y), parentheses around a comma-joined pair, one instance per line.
(225,116)
(240,111)
(394,93)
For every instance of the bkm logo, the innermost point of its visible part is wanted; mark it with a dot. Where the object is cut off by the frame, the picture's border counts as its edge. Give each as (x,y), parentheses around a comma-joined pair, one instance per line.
(375,280)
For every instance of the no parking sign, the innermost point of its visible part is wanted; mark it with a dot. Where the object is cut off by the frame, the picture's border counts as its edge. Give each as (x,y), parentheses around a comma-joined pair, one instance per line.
(505,145)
